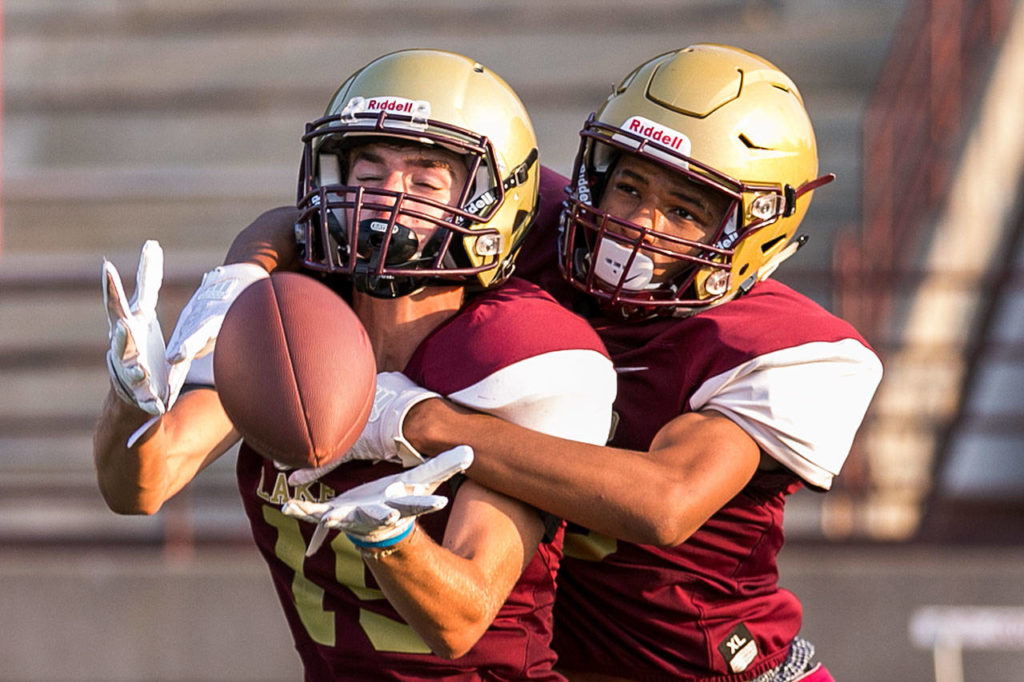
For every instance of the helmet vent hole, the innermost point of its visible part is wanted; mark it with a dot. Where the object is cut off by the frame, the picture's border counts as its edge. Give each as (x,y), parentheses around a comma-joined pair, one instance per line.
(743,270)
(770,244)
(749,144)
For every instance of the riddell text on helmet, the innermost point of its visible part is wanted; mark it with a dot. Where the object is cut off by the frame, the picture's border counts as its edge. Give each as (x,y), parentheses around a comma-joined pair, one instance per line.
(638,125)
(394,104)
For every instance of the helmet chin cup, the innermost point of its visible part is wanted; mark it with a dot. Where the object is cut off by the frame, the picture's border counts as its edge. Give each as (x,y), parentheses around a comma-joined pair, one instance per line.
(401,248)
(620,266)
(366,281)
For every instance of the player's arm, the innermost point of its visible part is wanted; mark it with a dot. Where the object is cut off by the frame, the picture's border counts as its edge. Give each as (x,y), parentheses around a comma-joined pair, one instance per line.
(148,443)
(696,463)
(140,478)
(811,400)
(267,244)
(450,593)
(269,241)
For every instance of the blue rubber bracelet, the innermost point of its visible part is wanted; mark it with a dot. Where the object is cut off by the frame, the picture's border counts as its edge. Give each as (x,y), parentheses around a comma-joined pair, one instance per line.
(387,542)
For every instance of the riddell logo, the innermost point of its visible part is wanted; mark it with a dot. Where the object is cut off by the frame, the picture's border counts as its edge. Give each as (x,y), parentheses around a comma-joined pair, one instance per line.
(412,114)
(398,105)
(673,139)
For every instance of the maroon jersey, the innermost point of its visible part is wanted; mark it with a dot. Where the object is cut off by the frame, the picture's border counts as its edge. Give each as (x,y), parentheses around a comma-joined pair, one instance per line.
(797,380)
(344,629)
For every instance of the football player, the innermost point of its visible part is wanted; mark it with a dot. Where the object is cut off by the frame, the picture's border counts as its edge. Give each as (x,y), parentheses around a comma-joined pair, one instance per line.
(416,190)
(734,391)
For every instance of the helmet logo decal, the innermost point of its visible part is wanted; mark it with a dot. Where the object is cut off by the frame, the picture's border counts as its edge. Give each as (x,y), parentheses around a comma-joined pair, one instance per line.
(481,202)
(418,110)
(583,186)
(729,233)
(489,197)
(656,132)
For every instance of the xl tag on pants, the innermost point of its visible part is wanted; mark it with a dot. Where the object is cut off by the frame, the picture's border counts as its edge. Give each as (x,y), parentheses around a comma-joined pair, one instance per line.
(739,648)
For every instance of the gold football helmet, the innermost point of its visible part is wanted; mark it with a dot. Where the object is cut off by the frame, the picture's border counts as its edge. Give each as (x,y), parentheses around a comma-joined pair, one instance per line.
(727,120)
(419,97)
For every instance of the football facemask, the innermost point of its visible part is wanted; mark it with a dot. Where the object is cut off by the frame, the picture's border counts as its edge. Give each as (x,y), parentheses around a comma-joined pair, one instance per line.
(394,242)
(724,119)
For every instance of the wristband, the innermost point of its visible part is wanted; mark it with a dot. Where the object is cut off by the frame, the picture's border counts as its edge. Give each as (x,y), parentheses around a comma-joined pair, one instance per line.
(381,550)
(361,543)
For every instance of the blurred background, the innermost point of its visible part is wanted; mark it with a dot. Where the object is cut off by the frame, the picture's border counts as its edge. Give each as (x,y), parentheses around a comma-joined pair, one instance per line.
(179,120)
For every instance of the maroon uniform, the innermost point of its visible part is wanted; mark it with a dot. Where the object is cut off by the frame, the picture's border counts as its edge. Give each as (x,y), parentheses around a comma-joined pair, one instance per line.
(344,628)
(797,380)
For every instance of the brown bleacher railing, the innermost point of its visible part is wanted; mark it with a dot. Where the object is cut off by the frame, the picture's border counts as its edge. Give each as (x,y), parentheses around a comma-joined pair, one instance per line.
(913,128)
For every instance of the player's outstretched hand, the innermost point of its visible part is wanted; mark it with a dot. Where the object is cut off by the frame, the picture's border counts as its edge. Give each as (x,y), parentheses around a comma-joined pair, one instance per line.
(135,359)
(381,438)
(200,321)
(381,513)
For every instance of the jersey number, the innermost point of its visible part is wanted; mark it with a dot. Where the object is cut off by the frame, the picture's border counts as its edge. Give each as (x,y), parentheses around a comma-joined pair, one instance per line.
(386,634)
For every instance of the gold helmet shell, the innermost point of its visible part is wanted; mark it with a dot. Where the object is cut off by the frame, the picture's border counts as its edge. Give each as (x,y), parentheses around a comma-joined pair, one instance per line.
(421,97)
(726,119)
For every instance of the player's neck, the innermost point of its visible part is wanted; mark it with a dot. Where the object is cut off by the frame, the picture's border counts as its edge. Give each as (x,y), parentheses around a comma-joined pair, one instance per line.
(397,326)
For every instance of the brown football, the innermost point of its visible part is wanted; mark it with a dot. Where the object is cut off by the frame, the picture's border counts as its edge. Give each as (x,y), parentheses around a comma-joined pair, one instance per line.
(294,370)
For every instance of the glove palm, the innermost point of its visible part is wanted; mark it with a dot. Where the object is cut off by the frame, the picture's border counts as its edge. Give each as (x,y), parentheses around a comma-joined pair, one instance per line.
(381,510)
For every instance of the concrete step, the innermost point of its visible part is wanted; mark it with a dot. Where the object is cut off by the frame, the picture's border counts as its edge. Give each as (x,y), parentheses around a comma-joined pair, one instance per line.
(255,72)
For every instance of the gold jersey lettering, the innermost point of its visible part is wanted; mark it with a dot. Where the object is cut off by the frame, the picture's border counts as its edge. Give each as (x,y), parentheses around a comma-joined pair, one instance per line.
(384,633)
(281,492)
(302,492)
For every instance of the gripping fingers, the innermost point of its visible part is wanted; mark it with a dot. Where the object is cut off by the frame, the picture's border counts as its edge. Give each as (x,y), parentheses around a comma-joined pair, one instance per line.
(195,343)
(149,276)
(119,337)
(195,334)
(305,511)
(135,374)
(417,505)
(176,375)
(425,478)
(114,299)
(319,534)
(367,518)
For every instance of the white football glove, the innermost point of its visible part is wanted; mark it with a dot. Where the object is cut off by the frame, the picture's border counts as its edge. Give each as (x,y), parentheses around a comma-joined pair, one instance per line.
(381,513)
(381,438)
(199,323)
(138,370)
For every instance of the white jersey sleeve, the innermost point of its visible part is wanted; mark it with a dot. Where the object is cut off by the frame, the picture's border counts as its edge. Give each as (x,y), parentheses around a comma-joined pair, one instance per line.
(802,405)
(566,393)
